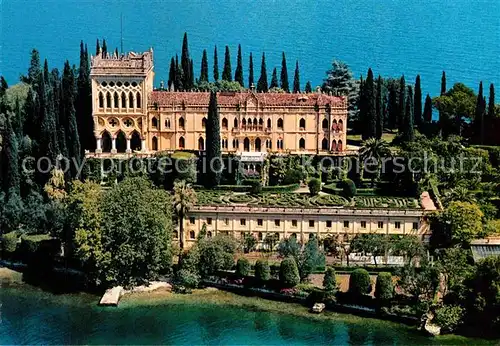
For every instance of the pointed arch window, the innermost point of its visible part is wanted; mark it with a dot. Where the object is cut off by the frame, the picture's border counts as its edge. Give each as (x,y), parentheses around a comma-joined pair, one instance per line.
(201,143)
(334,145)
(101,100)
(124,100)
(341,126)
(108,100)
(167,123)
(224,123)
(182,143)
(138,99)
(116,103)
(154,123)
(302,144)
(334,125)
(324,144)
(325,125)
(155,143)
(235,123)
(280,124)
(204,122)
(268,123)
(339,146)
(181,123)
(130,100)
(302,124)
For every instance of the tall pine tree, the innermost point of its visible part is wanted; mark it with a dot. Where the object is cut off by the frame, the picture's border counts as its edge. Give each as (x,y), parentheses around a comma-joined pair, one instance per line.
(491,102)
(83,103)
(408,127)
(97,48)
(179,75)
(284,75)
(274,79)
(204,67)
(250,72)
(238,74)
(186,64)
(402,104)
(71,130)
(213,152)
(216,65)
(262,83)
(191,74)
(369,118)
(428,109)
(10,158)
(379,109)
(35,69)
(479,114)
(104,49)
(172,74)
(226,72)
(441,119)
(308,87)
(296,78)
(417,111)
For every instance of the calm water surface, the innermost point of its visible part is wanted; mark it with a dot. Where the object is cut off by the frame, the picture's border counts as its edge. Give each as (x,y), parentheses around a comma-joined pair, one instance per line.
(31,316)
(392,36)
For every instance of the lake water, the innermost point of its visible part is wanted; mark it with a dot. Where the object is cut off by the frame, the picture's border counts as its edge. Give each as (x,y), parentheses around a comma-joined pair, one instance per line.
(393,37)
(29,316)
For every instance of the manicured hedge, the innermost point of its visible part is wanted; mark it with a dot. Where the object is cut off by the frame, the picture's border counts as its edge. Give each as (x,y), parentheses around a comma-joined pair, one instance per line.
(289,273)
(242,267)
(281,188)
(359,282)
(9,243)
(262,271)
(384,288)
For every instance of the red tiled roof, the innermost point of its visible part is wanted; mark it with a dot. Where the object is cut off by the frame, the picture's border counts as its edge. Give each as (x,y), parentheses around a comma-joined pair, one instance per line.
(164,98)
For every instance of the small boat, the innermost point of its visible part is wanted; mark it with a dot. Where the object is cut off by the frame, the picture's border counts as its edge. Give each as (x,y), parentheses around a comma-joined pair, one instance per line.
(318,308)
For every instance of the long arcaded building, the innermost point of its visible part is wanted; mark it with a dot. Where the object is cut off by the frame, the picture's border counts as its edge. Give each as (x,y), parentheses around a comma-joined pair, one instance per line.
(131,116)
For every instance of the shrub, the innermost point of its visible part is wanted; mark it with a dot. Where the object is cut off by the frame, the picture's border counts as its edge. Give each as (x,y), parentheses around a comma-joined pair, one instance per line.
(256,187)
(242,267)
(384,288)
(293,176)
(262,271)
(348,188)
(314,186)
(359,282)
(449,317)
(289,273)
(187,278)
(330,281)
(9,243)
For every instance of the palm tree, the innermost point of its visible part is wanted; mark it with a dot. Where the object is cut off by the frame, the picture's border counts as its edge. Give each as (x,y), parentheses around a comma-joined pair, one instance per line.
(184,199)
(374,149)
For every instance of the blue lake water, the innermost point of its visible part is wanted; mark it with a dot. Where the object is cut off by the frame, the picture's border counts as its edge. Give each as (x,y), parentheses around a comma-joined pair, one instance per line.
(393,37)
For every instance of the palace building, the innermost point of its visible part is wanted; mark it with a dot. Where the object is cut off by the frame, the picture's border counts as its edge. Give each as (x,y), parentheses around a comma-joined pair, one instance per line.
(130,116)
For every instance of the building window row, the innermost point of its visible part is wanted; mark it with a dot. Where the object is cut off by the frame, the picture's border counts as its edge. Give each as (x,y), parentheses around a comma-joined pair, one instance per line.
(119,101)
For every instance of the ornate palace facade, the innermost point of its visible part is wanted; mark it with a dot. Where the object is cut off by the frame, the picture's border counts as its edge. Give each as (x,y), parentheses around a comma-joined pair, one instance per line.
(130,116)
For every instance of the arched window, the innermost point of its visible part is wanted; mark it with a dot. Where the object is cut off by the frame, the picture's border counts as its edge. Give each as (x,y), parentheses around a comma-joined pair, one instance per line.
(191,235)
(324,144)
(235,123)
(121,142)
(101,100)
(334,145)
(302,144)
(182,142)
(244,122)
(201,143)
(339,146)
(155,143)
(135,141)
(117,103)
(154,123)
(261,122)
(280,124)
(234,143)
(124,100)
(181,123)
(204,122)
(254,121)
(302,124)
(246,144)
(334,125)
(268,123)
(325,124)
(167,123)
(106,142)
(224,123)
(257,144)
(108,100)
(341,126)
(138,98)
(260,236)
(130,100)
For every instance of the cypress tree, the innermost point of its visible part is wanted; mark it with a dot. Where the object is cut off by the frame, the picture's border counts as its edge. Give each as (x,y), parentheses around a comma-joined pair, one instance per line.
(34,71)
(117,54)
(361,104)
(393,106)
(479,113)
(262,83)
(216,65)
(104,48)
(370,110)
(379,109)
(296,78)
(408,129)
(274,79)
(428,109)
(417,111)
(284,74)
(171,74)
(402,105)
(443,83)
(185,64)
(59,113)
(204,67)
(491,102)
(308,88)
(97,47)
(250,72)
(83,103)
(191,74)
(213,153)
(46,76)
(71,130)
(179,75)
(226,73)
(238,74)
(10,158)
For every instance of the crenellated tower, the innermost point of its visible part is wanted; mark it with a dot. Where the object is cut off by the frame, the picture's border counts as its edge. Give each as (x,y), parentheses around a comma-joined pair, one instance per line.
(120,89)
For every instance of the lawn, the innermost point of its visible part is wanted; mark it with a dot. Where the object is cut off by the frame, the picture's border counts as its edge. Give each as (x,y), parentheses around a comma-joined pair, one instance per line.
(357,141)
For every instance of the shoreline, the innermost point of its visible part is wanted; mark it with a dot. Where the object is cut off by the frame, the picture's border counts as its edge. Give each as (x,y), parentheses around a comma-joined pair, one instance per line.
(215,297)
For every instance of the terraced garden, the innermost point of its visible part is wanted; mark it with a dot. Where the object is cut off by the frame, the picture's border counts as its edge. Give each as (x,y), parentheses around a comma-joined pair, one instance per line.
(301,200)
